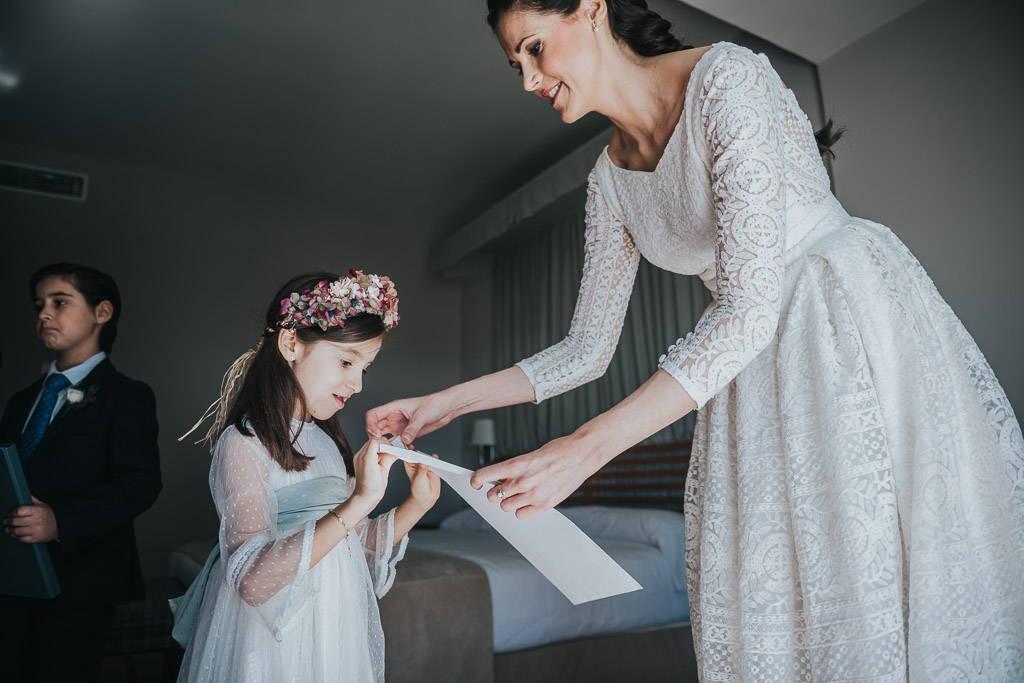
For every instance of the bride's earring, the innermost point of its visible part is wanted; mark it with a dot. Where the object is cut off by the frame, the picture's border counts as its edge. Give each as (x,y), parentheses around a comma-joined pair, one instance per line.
(594,24)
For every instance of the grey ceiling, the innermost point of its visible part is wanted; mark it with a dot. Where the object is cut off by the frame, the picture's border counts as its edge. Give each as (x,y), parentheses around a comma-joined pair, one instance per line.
(378,103)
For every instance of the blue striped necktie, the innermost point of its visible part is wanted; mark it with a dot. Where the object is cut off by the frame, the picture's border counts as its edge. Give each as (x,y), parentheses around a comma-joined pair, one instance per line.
(40,419)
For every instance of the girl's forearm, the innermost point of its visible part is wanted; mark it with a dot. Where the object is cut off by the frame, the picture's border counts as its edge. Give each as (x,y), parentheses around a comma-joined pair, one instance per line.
(406,516)
(329,531)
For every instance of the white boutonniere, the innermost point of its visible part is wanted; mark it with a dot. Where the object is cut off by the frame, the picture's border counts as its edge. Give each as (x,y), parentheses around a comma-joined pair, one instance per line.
(78,399)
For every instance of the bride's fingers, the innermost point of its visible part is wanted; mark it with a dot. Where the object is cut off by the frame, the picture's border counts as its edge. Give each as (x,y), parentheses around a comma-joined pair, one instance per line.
(375,422)
(513,503)
(506,490)
(384,420)
(413,428)
(496,472)
(528,511)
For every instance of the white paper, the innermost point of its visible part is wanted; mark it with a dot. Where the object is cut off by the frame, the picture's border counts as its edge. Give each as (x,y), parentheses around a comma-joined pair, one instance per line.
(565,555)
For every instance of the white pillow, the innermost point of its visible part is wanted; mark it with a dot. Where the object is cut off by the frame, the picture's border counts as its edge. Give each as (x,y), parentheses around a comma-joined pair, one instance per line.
(664,529)
(465,520)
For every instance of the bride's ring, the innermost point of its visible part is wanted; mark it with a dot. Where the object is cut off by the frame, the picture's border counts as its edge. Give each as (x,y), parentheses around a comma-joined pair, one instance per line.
(501,493)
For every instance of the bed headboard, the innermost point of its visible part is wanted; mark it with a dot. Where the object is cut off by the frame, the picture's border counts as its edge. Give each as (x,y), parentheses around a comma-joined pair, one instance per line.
(651,476)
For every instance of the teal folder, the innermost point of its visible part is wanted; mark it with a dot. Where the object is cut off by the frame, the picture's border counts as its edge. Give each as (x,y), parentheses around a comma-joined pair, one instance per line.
(25,568)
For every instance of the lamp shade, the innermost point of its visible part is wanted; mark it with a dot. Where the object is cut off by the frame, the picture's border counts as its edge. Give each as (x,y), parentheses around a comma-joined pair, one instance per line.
(483,433)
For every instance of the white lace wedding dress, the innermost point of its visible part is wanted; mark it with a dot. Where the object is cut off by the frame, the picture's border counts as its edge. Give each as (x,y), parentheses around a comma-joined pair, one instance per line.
(266,616)
(855,502)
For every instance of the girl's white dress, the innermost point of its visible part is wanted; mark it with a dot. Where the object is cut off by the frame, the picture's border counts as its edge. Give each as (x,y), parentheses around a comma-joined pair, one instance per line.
(855,501)
(266,616)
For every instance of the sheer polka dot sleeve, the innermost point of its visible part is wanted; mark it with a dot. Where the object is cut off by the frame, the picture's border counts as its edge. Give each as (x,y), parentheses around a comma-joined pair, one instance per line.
(382,551)
(264,565)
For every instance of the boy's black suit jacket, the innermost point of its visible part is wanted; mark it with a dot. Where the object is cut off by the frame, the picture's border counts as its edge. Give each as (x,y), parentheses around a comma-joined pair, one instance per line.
(98,467)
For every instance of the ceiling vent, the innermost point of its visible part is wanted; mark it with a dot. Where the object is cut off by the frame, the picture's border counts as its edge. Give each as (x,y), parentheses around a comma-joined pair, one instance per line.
(45,181)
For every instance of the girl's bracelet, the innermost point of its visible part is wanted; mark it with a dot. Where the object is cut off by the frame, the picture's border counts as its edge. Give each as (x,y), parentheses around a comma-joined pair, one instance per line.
(345,527)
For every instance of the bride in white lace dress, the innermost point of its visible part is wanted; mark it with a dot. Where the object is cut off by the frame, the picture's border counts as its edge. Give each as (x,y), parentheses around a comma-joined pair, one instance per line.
(855,502)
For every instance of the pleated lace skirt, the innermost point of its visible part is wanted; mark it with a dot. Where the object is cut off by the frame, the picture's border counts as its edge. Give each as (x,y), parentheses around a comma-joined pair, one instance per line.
(855,504)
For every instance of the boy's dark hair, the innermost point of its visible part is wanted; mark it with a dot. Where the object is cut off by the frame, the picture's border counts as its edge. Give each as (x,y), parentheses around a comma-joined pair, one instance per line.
(270,390)
(95,287)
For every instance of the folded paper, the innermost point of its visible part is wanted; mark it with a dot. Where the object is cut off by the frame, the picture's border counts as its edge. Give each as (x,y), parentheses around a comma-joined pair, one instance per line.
(566,556)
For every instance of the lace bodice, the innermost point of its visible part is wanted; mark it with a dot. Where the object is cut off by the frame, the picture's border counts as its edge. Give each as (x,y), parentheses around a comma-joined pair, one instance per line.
(739,183)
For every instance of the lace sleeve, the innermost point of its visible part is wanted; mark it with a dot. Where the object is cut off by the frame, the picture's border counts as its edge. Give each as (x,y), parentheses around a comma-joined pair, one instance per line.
(741,118)
(266,566)
(609,268)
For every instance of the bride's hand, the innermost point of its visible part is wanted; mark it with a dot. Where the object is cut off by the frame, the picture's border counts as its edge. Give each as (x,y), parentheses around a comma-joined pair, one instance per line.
(371,473)
(410,417)
(538,481)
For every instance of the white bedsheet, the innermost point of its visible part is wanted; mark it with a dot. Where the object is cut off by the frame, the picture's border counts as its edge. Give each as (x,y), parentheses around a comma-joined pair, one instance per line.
(529,611)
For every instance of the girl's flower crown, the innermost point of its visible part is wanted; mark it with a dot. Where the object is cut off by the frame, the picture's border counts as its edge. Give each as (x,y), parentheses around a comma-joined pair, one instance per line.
(331,303)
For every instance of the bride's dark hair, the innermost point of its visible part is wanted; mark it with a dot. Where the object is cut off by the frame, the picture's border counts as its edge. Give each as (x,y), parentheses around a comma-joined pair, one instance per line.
(270,391)
(645,31)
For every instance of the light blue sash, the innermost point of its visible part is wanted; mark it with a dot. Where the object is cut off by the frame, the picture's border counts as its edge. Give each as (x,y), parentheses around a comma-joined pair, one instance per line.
(295,505)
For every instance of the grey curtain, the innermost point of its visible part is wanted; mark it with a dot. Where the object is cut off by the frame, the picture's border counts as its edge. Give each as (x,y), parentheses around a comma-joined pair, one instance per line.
(535,288)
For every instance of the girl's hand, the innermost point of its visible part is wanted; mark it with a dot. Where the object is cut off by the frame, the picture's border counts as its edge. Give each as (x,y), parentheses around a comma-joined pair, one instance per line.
(536,482)
(425,485)
(410,417)
(371,472)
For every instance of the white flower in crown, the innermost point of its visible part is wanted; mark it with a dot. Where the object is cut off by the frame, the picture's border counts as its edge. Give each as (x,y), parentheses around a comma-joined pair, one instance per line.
(75,396)
(341,288)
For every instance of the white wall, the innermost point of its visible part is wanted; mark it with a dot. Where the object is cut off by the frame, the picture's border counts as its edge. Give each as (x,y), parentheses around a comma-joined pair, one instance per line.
(197,260)
(933,106)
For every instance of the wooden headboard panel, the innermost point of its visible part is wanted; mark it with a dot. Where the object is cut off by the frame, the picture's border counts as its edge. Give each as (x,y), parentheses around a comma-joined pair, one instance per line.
(644,476)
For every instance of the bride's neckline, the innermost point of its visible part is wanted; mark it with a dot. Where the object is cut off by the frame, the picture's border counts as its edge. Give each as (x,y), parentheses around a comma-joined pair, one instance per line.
(687,97)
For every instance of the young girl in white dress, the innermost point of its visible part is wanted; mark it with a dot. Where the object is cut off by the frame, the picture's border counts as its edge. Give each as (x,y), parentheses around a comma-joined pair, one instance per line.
(290,592)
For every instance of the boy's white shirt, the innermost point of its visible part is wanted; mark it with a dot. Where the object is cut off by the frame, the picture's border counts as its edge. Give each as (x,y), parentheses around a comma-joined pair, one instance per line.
(75,375)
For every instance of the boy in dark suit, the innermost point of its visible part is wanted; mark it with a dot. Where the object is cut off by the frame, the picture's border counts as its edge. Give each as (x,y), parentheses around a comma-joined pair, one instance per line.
(87,438)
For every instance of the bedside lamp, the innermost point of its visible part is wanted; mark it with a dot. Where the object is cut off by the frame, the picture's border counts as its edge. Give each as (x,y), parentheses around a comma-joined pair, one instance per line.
(483,438)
